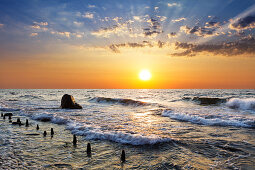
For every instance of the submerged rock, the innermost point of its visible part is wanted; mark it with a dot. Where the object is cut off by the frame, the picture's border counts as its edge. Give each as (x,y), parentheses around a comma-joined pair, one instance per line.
(68,102)
(208,100)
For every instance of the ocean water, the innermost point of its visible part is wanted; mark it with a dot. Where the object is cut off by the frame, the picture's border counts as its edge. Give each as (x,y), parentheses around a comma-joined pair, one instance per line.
(158,129)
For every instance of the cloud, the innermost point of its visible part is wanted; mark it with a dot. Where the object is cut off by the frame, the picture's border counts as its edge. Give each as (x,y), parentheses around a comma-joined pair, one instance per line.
(244,46)
(212,24)
(41,23)
(154,28)
(33,34)
(116,47)
(65,34)
(179,19)
(77,23)
(107,32)
(172,34)
(247,22)
(162,18)
(91,6)
(172,4)
(88,15)
(137,18)
(40,26)
(199,31)
(1,25)
(117,19)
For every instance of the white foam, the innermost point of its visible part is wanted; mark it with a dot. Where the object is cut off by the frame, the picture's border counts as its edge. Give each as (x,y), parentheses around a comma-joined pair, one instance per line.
(244,104)
(219,121)
(121,137)
(50,117)
(95,132)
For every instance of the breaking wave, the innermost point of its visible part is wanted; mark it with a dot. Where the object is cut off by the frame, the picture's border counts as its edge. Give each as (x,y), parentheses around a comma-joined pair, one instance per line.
(211,120)
(125,102)
(44,117)
(243,104)
(116,136)
(93,133)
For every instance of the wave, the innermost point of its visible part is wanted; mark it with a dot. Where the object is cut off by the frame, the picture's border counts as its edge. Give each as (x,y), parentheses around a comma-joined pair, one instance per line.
(93,133)
(243,104)
(31,97)
(5,109)
(211,120)
(125,102)
(44,117)
(206,100)
(116,136)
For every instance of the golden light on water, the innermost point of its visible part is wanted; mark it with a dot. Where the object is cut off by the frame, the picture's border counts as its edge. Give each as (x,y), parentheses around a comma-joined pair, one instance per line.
(145,75)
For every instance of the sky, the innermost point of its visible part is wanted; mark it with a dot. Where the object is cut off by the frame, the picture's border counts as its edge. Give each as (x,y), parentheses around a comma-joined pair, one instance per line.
(185,44)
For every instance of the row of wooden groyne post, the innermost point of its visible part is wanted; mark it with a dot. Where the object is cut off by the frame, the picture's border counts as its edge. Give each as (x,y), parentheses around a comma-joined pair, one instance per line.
(18,122)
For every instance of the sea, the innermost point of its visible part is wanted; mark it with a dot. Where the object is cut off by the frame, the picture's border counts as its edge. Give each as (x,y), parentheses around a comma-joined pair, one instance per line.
(157,129)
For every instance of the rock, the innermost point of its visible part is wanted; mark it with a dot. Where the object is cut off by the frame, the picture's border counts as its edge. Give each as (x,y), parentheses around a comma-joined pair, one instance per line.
(68,102)
(8,114)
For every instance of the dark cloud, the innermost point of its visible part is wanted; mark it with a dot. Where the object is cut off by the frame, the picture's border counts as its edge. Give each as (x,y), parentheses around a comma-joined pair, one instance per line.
(199,31)
(243,46)
(153,29)
(243,23)
(116,47)
(212,24)
(172,34)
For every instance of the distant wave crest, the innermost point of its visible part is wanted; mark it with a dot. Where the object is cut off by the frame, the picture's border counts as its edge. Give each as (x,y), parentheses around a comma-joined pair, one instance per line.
(125,102)
(210,120)
(243,104)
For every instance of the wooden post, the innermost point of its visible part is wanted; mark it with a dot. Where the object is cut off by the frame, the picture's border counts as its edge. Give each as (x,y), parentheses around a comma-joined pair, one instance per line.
(44,133)
(51,132)
(27,123)
(37,127)
(89,150)
(74,140)
(123,156)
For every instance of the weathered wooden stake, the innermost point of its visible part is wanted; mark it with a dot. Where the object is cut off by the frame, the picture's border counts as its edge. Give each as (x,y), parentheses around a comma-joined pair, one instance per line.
(37,127)
(51,132)
(74,140)
(44,133)
(2,115)
(10,117)
(27,123)
(89,149)
(123,156)
(18,120)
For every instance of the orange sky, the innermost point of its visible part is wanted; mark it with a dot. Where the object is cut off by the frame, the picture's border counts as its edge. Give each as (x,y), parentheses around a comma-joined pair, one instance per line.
(105,44)
(93,69)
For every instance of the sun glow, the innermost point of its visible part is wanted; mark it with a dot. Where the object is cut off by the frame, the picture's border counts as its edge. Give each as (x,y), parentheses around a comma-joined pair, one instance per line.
(145,75)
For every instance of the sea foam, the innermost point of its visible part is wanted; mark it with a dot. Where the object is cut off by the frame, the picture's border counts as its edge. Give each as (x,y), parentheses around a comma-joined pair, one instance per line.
(244,104)
(210,120)
(91,132)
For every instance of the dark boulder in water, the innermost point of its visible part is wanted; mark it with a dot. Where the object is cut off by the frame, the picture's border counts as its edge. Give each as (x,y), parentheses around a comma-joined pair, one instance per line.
(8,114)
(68,102)
(208,101)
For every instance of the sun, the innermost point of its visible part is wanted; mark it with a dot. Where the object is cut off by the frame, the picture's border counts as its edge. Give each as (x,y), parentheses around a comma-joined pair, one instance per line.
(145,75)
